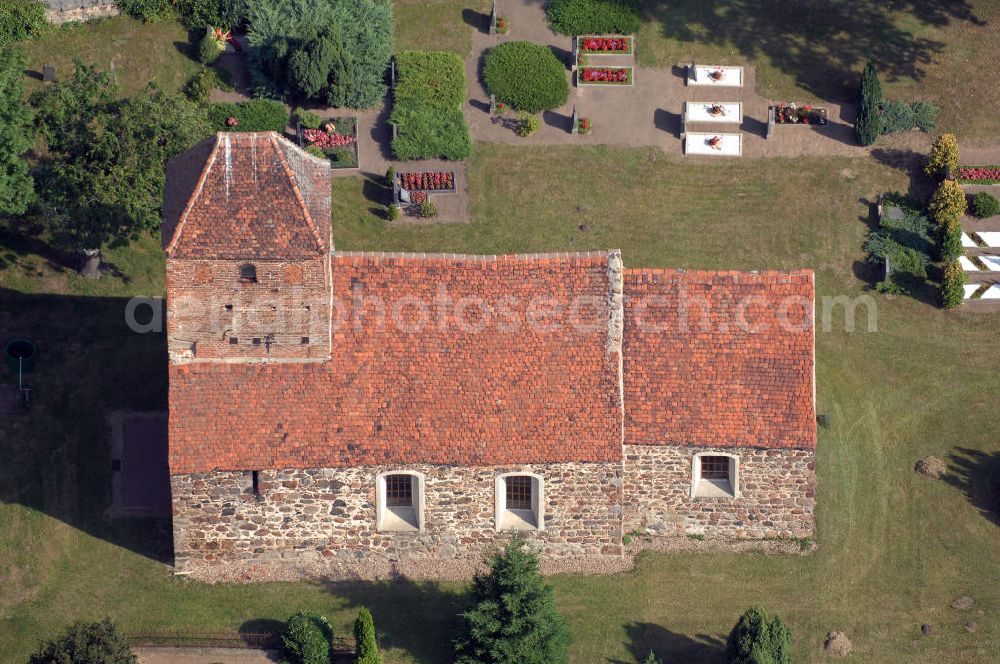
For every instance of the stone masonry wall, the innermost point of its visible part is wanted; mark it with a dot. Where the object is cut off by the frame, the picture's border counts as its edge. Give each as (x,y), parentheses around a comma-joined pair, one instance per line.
(286,310)
(322,513)
(777,493)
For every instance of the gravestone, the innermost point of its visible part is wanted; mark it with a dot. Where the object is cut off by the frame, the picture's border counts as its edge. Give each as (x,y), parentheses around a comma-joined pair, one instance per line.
(493,18)
(575,127)
(683,122)
(770,122)
(48,73)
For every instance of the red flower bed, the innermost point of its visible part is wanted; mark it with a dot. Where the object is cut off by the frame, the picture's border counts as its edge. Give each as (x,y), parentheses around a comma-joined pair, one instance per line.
(430,181)
(606,45)
(326,140)
(418,197)
(605,75)
(979,173)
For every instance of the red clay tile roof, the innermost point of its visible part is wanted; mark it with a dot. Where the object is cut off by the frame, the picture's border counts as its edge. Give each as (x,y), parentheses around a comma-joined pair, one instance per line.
(246,196)
(741,374)
(442,395)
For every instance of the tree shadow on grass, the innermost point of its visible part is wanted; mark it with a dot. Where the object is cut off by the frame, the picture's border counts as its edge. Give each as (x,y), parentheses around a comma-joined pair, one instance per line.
(977,474)
(672,647)
(910,162)
(419,617)
(822,44)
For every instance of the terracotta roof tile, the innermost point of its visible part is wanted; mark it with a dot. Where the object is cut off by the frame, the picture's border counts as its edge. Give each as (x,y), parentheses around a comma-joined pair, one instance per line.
(719,358)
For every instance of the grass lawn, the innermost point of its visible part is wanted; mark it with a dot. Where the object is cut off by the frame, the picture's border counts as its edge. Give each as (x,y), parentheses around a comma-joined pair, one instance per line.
(137,52)
(811,50)
(894,549)
(437,25)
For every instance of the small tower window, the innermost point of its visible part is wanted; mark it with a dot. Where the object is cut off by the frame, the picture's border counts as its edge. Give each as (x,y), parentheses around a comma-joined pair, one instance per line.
(248,274)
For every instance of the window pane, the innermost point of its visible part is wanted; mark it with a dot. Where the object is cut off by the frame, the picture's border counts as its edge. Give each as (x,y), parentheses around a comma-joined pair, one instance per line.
(399,490)
(714,468)
(518,492)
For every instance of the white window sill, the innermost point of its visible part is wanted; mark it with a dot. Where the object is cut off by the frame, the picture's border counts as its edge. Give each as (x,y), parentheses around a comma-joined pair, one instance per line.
(519,520)
(399,520)
(714,489)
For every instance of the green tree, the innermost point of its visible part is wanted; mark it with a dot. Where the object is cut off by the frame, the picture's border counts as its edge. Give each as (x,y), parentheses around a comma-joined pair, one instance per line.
(948,203)
(758,639)
(952,285)
(951,241)
(868,125)
(943,156)
(365,645)
(102,182)
(306,638)
(17,189)
(87,643)
(514,620)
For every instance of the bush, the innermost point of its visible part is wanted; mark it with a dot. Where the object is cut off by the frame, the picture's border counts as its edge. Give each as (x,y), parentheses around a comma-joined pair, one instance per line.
(365,646)
(943,156)
(757,639)
(428,210)
(427,107)
(589,17)
(146,11)
(199,87)
(335,52)
(316,152)
(393,212)
(253,115)
(198,14)
(984,205)
(208,50)
(307,119)
(99,642)
(17,135)
(952,285)
(307,638)
(343,157)
(868,125)
(948,203)
(390,176)
(901,116)
(527,124)
(951,241)
(514,620)
(21,19)
(526,76)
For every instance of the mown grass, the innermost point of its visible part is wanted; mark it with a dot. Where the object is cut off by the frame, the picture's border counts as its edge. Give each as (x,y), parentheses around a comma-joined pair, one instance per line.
(894,549)
(437,25)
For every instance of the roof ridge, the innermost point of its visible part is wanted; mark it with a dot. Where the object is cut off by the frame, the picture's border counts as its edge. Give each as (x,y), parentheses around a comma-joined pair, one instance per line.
(273,138)
(420,256)
(194,196)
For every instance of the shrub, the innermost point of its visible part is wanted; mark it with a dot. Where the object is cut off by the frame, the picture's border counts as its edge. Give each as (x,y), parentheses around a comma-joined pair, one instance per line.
(527,124)
(307,119)
(951,241)
(307,638)
(757,639)
(146,11)
(952,285)
(427,107)
(943,156)
(253,115)
(868,125)
(985,205)
(334,52)
(393,212)
(21,19)
(428,210)
(526,76)
(98,642)
(901,116)
(652,659)
(514,619)
(947,203)
(582,17)
(208,50)
(316,152)
(365,646)
(390,176)
(343,157)
(199,87)
(225,14)
(17,135)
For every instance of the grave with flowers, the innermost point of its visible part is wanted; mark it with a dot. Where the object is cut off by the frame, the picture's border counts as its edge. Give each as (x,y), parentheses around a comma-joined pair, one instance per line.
(336,139)
(795,114)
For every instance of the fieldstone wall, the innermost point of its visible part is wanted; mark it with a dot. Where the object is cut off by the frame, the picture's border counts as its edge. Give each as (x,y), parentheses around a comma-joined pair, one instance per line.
(63,11)
(777,493)
(327,513)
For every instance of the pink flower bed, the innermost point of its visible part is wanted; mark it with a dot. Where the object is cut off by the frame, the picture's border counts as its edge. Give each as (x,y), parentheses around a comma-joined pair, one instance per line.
(326,140)
(606,45)
(618,75)
(431,181)
(979,173)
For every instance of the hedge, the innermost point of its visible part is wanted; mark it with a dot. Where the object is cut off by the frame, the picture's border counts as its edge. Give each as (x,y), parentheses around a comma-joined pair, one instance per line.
(21,19)
(590,17)
(952,286)
(427,107)
(146,11)
(253,115)
(526,76)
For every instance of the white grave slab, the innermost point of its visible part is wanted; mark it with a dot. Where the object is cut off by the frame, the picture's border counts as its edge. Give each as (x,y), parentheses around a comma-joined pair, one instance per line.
(992,262)
(730,77)
(969,290)
(729,145)
(967,265)
(701,111)
(991,238)
(967,241)
(992,293)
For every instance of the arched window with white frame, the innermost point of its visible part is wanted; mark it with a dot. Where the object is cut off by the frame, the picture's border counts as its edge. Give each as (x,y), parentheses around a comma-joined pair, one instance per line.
(520,501)
(715,475)
(399,501)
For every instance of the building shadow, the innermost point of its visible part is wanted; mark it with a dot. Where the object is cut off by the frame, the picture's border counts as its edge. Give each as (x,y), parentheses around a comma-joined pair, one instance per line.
(645,638)
(418,617)
(57,451)
(977,474)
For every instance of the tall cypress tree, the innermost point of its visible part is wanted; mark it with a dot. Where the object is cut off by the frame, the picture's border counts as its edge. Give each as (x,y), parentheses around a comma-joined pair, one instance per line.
(868,126)
(514,620)
(17,135)
(365,645)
